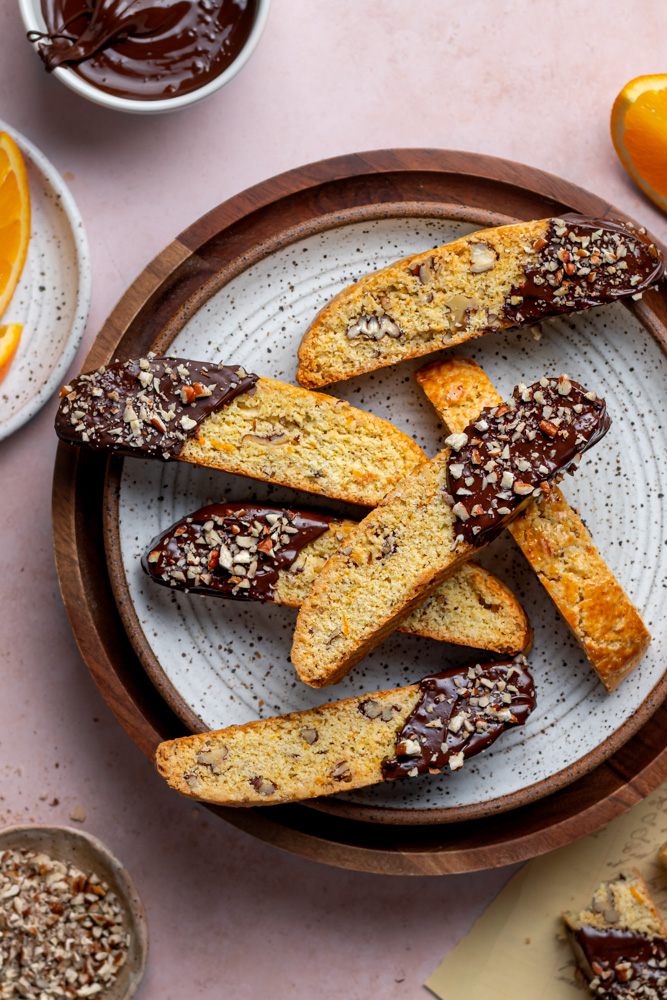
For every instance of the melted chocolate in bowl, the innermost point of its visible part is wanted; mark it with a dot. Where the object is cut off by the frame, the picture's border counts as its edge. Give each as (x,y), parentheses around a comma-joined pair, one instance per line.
(145,49)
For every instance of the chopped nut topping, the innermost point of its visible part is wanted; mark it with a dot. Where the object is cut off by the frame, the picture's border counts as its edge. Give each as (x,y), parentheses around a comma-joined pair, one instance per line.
(515,449)
(232,550)
(62,933)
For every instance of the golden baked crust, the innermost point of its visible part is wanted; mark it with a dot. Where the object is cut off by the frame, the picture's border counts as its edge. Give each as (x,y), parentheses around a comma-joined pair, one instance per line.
(429,296)
(306,440)
(487,281)
(390,563)
(554,539)
(423,728)
(471,608)
(299,769)
(627,900)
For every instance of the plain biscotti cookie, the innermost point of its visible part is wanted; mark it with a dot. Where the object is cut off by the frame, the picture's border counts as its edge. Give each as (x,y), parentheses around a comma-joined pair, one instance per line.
(554,539)
(437,517)
(619,941)
(224,418)
(488,281)
(424,728)
(253,552)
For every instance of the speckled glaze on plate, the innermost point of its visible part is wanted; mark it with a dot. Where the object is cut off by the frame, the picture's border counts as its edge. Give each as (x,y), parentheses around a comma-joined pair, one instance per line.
(227,662)
(53,296)
(76,847)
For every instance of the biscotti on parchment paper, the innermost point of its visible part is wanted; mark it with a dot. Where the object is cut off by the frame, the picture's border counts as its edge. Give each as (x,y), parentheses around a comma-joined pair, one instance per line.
(438,517)
(424,728)
(223,418)
(554,539)
(620,941)
(256,552)
(488,281)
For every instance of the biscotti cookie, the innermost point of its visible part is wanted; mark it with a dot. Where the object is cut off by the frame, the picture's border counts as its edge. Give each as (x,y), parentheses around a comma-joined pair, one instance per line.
(438,517)
(554,539)
(424,728)
(482,283)
(224,418)
(252,552)
(620,941)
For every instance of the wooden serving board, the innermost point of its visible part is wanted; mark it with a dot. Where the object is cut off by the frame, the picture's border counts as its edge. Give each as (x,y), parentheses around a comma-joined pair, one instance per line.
(218,246)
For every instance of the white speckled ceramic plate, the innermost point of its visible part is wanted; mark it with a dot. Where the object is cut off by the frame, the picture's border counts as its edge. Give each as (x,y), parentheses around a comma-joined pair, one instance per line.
(53,296)
(228,662)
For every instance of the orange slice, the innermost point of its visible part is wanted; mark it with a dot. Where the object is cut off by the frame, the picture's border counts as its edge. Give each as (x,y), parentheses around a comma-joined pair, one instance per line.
(9,341)
(639,133)
(14,217)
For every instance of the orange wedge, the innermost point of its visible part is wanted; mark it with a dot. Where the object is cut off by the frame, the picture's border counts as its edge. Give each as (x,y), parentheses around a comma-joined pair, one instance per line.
(639,133)
(9,341)
(14,217)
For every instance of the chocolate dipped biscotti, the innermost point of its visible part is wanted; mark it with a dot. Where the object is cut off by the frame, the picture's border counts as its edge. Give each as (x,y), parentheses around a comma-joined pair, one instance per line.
(620,941)
(429,727)
(253,552)
(488,281)
(554,540)
(224,418)
(438,517)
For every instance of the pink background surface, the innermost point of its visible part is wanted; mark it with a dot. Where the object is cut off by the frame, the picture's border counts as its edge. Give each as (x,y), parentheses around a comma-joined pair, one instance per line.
(526,80)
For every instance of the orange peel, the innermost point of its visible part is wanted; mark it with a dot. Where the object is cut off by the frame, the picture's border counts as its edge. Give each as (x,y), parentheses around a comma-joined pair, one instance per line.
(14,218)
(639,134)
(9,342)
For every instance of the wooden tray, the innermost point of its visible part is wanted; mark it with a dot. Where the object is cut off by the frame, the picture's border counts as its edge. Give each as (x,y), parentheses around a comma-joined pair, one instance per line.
(154,308)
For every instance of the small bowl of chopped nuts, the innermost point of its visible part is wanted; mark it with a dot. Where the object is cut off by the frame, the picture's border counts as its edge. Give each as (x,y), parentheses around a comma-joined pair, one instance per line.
(72,922)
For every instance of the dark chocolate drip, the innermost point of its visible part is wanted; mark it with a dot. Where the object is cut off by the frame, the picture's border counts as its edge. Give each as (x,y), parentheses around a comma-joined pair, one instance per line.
(582,263)
(621,963)
(512,452)
(149,406)
(460,713)
(232,550)
(145,49)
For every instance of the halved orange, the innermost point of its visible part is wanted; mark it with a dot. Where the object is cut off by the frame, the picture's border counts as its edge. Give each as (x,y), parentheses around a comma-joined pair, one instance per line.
(639,133)
(9,341)
(14,217)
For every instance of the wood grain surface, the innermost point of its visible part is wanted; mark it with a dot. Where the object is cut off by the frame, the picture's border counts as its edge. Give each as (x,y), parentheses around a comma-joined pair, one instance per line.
(153,309)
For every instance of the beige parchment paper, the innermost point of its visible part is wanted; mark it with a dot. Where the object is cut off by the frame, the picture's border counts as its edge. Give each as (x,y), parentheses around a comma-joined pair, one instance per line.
(517,950)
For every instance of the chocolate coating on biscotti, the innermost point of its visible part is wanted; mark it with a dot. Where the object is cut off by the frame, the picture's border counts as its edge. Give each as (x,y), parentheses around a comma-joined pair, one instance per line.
(582,263)
(232,550)
(460,713)
(149,406)
(514,451)
(622,964)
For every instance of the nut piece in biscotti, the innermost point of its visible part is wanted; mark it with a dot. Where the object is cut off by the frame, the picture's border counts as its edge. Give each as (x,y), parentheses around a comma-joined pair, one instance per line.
(554,539)
(620,941)
(429,727)
(255,552)
(223,418)
(484,282)
(438,517)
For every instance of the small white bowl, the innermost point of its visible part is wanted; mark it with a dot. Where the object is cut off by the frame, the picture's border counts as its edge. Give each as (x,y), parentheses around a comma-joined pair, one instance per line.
(31,12)
(75,847)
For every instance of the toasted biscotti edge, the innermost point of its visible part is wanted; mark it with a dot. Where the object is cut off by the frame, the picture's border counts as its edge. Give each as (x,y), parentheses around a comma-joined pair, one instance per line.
(326,354)
(355,744)
(471,608)
(416,517)
(628,897)
(602,617)
(554,540)
(320,444)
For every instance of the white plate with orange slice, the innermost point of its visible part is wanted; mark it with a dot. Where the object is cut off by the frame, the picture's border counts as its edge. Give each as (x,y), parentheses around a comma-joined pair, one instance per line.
(44,280)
